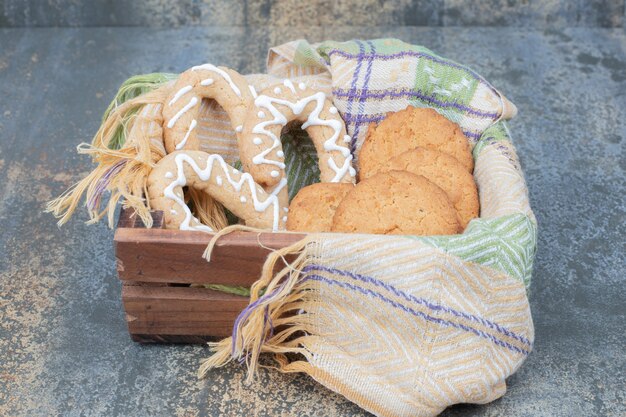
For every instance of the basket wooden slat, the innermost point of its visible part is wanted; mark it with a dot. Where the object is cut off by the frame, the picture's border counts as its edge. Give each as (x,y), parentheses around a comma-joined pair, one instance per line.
(158,266)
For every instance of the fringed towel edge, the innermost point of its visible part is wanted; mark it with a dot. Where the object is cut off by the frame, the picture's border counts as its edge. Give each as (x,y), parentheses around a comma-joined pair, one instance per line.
(268,324)
(125,148)
(124,161)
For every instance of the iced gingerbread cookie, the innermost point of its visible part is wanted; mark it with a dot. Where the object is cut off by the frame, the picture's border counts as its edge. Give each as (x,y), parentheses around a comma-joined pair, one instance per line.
(408,129)
(260,149)
(180,109)
(445,172)
(396,202)
(208,173)
(313,208)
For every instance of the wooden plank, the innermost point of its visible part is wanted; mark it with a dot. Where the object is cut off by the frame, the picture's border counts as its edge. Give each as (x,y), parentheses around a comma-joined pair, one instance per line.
(129,219)
(175,256)
(168,338)
(160,312)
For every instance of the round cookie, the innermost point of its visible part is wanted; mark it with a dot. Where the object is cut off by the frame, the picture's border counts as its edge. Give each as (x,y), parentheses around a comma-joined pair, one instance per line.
(447,173)
(408,129)
(313,208)
(396,202)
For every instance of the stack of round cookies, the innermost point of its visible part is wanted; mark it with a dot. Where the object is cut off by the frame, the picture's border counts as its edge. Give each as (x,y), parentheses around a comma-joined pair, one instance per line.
(415,178)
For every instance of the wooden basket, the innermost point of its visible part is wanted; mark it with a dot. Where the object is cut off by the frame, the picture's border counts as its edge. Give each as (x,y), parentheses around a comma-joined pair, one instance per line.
(157,267)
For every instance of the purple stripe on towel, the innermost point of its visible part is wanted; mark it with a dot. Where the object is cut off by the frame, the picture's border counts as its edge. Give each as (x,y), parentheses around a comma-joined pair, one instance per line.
(421,301)
(417,313)
(246,312)
(94,201)
(362,98)
(410,93)
(355,78)
(358,119)
(415,54)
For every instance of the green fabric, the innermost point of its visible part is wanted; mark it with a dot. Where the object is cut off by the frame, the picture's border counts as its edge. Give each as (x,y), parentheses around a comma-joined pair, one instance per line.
(228,289)
(498,132)
(506,243)
(446,75)
(131,88)
(301,160)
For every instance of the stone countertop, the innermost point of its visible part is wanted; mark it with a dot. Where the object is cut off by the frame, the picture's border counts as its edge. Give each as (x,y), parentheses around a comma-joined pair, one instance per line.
(64,347)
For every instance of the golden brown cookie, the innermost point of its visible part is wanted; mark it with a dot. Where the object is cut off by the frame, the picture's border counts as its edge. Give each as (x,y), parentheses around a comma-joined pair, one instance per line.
(180,111)
(408,129)
(260,148)
(313,208)
(396,202)
(446,172)
(209,173)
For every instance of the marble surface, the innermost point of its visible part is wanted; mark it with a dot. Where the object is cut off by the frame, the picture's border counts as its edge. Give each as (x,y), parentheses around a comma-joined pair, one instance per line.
(168,13)
(64,349)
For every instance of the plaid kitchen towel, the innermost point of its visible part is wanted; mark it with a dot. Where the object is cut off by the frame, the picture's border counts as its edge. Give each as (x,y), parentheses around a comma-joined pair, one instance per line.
(401,325)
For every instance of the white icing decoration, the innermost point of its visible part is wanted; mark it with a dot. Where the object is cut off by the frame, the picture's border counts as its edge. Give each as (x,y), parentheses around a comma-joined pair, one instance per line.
(261,114)
(206,82)
(205,174)
(169,175)
(347,138)
(287,83)
(243,199)
(280,154)
(302,86)
(277,90)
(346,168)
(173,120)
(330,144)
(257,141)
(221,72)
(253,91)
(284,218)
(192,126)
(274,173)
(218,180)
(174,212)
(180,93)
(239,128)
(332,110)
(235,171)
(285,209)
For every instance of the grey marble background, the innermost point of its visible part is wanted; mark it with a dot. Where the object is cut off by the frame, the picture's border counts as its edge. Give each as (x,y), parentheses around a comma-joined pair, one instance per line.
(169,13)
(64,346)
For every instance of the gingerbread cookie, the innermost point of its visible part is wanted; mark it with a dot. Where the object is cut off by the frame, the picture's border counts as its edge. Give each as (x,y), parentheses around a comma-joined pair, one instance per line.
(237,191)
(180,111)
(447,173)
(408,129)
(260,149)
(313,208)
(396,202)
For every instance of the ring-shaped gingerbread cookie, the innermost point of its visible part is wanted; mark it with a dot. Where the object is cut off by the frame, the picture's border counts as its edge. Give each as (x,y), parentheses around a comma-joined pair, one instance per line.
(180,111)
(209,173)
(260,149)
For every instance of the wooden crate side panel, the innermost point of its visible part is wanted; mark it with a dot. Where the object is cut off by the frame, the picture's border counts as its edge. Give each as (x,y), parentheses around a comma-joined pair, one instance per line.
(157,314)
(173,256)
